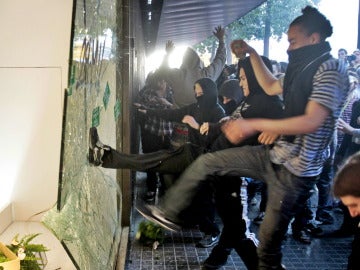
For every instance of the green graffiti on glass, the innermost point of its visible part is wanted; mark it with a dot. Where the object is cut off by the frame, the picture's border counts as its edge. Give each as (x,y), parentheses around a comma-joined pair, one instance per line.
(117,109)
(96,117)
(106,96)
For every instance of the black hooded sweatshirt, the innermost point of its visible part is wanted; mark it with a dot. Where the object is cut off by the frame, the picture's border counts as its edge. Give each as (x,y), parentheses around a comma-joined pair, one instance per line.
(256,105)
(206,109)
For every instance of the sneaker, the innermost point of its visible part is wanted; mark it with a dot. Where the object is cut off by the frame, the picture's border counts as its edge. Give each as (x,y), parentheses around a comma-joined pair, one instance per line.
(96,148)
(314,229)
(155,215)
(259,218)
(208,241)
(217,258)
(302,236)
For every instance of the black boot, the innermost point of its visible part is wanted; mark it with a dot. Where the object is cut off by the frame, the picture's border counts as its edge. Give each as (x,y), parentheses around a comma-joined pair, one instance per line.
(217,258)
(96,148)
(247,252)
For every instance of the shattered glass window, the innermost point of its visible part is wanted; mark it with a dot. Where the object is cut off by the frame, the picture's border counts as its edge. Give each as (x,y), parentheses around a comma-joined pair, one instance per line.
(87,218)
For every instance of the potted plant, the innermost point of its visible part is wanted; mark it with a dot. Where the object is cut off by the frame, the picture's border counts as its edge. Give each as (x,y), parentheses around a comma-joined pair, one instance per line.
(8,260)
(32,256)
(150,234)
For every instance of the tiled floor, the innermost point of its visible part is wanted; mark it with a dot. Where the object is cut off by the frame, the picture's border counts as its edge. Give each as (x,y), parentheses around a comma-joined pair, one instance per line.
(178,252)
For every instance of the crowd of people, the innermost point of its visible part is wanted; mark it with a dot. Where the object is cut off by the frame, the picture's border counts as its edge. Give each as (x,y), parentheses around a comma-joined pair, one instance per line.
(292,127)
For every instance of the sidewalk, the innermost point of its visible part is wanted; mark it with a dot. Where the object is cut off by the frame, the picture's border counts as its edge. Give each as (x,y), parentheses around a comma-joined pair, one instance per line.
(179,251)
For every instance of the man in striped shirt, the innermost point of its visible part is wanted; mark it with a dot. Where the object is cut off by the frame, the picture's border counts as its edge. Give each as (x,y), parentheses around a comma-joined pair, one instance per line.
(314,89)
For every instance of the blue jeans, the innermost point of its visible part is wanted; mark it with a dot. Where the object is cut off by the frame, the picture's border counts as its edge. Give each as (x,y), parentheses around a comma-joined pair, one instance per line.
(286,192)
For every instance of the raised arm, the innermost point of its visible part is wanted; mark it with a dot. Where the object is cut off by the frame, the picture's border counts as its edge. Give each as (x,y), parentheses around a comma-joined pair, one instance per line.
(266,79)
(215,68)
(169,48)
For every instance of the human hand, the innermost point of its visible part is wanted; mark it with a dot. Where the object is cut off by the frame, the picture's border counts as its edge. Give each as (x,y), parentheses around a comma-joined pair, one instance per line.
(204,128)
(219,33)
(165,102)
(140,108)
(224,119)
(237,130)
(188,119)
(240,48)
(169,47)
(267,137)
(344,127)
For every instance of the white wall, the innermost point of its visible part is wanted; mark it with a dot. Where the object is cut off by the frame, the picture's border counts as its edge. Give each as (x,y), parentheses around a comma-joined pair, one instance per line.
(34,53)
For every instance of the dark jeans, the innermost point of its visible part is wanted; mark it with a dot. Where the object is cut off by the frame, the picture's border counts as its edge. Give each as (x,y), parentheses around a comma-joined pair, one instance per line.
(171,161)
(304,215)
(286,192)
(152,143)
(231,202)
(354,258)
(324,184)
(202,210)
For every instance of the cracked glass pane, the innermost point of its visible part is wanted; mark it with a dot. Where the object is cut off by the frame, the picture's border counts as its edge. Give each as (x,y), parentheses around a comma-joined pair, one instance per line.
(87,216)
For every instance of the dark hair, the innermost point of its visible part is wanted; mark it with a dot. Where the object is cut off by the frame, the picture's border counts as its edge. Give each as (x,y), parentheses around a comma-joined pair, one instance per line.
(253,83)
(347,179)
(154,77)
(342,50)
(313,21)
(231,89)
(230,68)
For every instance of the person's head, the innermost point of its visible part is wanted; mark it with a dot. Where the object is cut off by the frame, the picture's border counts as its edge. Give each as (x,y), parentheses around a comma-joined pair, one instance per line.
(356,53)
(283,66)
(191,60)
(342,54)
(310,28)
(347,184)
(157,81)
(236,49)
(276,66)
(229,70)
(206,92)
(247,78)
(231,95)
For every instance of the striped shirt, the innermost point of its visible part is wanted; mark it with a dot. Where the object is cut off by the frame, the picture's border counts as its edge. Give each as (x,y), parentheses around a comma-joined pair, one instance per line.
(304,157)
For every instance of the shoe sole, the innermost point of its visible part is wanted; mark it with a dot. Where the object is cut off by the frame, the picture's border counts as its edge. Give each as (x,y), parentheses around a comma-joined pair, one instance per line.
(93,138)
(146,213)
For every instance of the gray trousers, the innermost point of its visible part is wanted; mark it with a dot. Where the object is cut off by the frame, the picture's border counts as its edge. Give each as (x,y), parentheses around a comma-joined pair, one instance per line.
(287,193)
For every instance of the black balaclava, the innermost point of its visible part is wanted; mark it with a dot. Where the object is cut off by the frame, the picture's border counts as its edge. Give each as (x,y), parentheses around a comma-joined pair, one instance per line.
(232,90)
(209,99)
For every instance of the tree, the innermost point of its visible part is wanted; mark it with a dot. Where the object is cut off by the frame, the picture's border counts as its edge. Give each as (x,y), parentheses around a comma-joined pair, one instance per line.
(269,20)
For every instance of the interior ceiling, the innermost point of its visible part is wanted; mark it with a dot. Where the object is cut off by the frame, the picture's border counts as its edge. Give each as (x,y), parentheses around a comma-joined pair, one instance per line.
(191,21)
